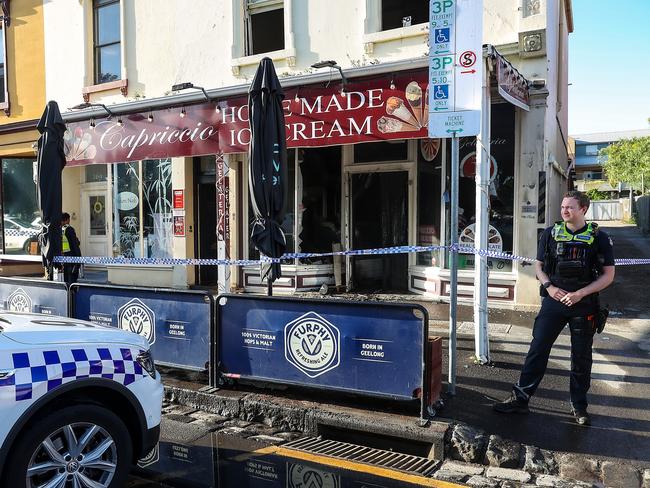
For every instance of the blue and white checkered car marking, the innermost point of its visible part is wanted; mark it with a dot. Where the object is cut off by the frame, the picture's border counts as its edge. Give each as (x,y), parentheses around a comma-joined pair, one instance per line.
(39,372)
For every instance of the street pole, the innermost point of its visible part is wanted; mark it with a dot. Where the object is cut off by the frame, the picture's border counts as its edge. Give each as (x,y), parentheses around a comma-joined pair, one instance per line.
(482,179)
(453,265)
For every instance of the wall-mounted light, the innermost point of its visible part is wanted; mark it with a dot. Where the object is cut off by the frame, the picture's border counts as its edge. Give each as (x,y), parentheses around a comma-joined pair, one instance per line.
(183,112)
(150,117)
(92,123)
(186,85)
(217,108)
(119,121)
(392,84)
(332,64)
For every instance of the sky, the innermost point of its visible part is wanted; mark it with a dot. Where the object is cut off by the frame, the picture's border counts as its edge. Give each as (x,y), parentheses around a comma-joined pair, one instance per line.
(609,66)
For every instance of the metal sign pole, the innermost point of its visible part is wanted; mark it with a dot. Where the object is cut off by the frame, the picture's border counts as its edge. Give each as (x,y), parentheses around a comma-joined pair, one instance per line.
(453,265)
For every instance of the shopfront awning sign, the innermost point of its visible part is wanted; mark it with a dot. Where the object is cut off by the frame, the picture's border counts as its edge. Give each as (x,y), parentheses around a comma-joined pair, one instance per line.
(455,67)
(368,111)
(513,87)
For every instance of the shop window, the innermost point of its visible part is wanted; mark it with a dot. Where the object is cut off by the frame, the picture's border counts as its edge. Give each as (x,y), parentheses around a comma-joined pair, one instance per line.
(403,13)
(288,224)
(430,158)
(501,190)
(379,152)
(320,210)
(107,40)
(142,209)
(96,173)
(21,215)
(264,20)
(319,202)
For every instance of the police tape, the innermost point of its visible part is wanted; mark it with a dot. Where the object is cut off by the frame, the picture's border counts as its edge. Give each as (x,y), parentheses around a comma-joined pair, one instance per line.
(460,249)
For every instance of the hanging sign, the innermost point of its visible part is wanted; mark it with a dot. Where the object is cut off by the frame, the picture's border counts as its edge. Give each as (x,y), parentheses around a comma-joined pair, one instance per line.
(455,67)
(512,86)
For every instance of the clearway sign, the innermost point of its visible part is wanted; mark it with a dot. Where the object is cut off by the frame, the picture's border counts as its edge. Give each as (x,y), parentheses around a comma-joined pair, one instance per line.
(455,67)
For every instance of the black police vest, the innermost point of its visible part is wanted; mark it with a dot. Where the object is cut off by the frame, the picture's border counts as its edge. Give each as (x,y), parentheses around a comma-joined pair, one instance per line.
(571,259)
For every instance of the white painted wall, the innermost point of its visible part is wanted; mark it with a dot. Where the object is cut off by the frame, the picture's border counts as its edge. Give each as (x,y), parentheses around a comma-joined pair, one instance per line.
(192,40)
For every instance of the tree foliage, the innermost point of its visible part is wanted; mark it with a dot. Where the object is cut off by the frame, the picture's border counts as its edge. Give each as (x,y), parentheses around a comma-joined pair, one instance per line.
(627,161)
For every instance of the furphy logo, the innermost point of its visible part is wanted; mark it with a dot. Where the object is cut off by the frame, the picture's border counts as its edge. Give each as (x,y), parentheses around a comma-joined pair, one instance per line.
(19,301)
(312,344)
(301,476)
(136,317)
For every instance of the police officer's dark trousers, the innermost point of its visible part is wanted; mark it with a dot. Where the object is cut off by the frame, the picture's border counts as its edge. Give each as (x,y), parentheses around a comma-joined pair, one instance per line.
(552,318)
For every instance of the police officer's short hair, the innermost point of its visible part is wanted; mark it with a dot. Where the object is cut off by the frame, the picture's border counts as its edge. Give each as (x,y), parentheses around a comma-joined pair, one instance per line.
(65,216)
(583,200)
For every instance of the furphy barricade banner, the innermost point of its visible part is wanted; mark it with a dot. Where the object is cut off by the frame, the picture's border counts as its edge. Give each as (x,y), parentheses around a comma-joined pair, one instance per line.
(366,111)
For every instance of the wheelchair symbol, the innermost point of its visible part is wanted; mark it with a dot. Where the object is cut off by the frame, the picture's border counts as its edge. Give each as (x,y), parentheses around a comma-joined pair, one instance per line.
(442,35)
(441,92)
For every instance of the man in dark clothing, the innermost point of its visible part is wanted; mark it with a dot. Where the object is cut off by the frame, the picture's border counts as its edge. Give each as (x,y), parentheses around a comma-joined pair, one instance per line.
(575,261)
(69,247)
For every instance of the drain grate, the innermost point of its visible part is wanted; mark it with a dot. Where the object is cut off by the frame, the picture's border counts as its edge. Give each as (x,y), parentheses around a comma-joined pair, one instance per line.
(362,454)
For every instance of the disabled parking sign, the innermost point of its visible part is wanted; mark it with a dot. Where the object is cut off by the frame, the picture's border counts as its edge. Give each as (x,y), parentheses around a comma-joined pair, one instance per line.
(455,70)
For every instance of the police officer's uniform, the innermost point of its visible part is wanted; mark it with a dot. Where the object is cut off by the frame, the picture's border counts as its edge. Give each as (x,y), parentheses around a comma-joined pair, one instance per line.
(572,260)
(70,247)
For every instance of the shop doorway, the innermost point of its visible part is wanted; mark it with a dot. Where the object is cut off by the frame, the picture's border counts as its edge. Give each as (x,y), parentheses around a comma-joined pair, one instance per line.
(94,231)
(206,219)
(379,218)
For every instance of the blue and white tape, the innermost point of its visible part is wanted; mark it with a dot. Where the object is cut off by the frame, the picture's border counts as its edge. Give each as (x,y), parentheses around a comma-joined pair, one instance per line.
(102,260)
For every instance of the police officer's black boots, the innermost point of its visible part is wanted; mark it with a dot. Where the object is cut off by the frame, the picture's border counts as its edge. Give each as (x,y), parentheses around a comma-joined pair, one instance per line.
(512,404)
(581,416)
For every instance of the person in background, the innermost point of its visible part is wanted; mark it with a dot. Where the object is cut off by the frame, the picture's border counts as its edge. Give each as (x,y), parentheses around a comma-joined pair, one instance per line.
(69,247)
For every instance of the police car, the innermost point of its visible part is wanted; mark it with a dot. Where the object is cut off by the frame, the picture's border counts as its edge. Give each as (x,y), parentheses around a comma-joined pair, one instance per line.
(79,403)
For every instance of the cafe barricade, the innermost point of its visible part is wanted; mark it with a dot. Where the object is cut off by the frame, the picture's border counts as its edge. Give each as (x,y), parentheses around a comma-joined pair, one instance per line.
(34,296)
(367,348)
(177,323)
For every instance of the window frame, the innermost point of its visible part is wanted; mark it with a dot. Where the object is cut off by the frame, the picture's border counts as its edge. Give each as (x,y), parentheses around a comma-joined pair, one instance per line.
(240,57)
(96,6)
(375,35)
(253,7)
(4,104)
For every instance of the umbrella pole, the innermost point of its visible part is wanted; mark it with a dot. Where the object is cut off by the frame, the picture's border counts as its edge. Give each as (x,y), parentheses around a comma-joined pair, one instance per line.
(269,287)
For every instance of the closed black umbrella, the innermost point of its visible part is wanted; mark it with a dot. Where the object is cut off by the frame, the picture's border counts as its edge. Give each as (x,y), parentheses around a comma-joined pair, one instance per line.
(268,166)
(51,160)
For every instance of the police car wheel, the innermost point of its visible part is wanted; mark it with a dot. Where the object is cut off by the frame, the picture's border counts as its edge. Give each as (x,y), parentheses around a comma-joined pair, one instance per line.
(80,445)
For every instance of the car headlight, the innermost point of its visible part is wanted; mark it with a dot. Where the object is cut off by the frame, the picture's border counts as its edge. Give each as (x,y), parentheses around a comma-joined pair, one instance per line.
(145,359)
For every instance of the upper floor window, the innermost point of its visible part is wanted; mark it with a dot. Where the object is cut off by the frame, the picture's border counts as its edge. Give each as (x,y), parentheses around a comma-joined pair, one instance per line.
(403,13)
(264,26)
(3,64)
(108,62)
(591,150)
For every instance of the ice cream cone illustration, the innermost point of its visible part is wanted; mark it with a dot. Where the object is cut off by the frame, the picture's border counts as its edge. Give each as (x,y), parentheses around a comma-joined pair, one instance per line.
(395,106)
(414,97)
(388,125)
(425,111)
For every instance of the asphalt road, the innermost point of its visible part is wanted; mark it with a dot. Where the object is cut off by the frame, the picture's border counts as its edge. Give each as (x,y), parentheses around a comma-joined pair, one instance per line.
(620,393)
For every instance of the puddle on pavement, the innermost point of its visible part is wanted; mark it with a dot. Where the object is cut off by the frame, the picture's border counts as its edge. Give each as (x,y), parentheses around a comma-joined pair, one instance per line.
(225,461)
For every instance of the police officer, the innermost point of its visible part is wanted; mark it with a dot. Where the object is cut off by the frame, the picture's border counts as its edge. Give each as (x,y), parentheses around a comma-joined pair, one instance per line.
(575,261)
(69,247)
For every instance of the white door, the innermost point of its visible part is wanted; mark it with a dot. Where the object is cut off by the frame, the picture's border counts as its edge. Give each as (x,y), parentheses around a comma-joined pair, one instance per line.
(93,234)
